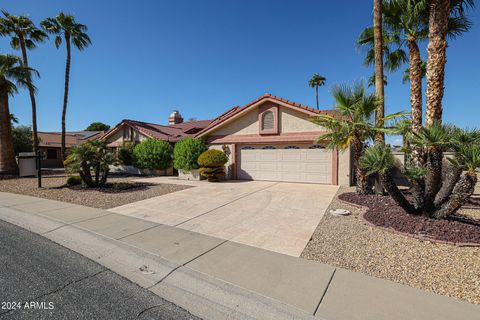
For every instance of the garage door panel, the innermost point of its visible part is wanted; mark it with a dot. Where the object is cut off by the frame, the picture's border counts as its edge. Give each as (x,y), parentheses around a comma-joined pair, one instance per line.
(293,164)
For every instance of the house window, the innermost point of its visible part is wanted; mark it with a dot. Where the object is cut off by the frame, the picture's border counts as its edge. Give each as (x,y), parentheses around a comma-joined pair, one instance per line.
(248,148)
(292,147)
(316,146)
(268,121)
(269,148)
(52,154)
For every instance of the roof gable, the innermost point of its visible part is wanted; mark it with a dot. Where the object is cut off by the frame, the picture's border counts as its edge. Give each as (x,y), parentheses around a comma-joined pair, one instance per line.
(236,112)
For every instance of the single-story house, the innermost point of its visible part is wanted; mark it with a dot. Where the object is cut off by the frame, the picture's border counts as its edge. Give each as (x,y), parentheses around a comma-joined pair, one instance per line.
(50,143)
(136,131)
(272,139)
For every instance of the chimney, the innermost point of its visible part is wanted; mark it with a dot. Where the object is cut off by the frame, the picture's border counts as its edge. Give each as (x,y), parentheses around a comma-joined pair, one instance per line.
(175,118)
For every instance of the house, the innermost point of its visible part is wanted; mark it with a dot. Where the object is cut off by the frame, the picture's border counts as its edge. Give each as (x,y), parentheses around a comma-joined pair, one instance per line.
(50,143)
(136,131)
(272,139)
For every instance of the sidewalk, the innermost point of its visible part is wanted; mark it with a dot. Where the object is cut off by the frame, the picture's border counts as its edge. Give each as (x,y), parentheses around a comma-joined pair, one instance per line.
(219,279)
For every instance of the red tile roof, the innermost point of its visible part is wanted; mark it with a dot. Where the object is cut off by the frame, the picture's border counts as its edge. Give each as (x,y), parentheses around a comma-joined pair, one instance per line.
(237,109)
(170,133)
(53,139)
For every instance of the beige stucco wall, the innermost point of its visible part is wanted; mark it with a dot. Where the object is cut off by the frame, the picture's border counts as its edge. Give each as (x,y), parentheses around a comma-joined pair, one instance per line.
(118,136)
(289,121)
(344,167)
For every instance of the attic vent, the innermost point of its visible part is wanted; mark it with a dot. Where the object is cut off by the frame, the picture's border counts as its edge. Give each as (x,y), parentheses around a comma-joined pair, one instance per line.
(268,121)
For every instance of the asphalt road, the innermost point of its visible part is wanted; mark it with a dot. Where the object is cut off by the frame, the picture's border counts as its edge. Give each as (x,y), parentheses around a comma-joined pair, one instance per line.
(40,279)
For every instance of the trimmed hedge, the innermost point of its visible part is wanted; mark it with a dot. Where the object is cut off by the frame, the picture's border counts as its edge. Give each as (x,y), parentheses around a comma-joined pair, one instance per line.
(153,154)
(74,181)
(186,153)
(212,164)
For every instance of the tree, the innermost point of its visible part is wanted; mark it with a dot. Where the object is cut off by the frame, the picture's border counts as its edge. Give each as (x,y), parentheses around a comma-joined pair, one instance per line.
(315,82)
(438,26)
(430,196)
(379,86)
(153,154)
(24,35)
(22,139)
(93,156)
(186,153)
(65,28)
(352,126)
(13,74)
(98,126)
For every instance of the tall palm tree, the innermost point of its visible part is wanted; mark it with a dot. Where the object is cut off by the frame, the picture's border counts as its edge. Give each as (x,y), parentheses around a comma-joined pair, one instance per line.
(438,26)
(352,127)
(65,28)
(13,74)
(379,85)
(315,82)
(24,35)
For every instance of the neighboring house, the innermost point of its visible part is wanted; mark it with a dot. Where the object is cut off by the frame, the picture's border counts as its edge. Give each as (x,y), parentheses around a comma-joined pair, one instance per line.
(272,139)
(136,131)
(50,144)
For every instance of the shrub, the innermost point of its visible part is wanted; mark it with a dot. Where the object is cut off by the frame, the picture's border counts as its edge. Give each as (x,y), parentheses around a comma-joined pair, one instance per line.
(74,181)
(153,154)
(186,153)
(91,157)
(212,164)
(125,153)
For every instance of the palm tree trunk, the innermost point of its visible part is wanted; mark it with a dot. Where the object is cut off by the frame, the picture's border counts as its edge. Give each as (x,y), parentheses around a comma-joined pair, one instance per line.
(65,97)
(363,184)
(8,164)
(451,175)
(32,97)
(433,178)
(437,46)
(392,189)
(378,49)
(461,193)
(316,92)
(415,93)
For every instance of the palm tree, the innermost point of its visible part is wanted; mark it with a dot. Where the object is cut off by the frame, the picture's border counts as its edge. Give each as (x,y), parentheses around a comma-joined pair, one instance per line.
(65,28)
(379,85)
(24,35)
(315,82)
(438,26)
(352,127)
(13,74)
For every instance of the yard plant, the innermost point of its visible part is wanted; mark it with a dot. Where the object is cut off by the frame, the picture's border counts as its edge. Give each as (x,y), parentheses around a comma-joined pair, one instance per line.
(186,153)
(125,153)
(91,161)
(212,163)
(153,154)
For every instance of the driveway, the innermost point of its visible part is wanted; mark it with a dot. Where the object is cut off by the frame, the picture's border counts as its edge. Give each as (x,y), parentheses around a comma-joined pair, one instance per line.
(276,216)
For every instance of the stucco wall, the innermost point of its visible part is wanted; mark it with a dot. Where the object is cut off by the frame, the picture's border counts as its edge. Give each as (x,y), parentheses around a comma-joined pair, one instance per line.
(289,120)
(230,153)
(118,136)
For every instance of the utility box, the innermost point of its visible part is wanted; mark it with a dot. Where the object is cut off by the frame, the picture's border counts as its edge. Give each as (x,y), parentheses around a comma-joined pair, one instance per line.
(27,164)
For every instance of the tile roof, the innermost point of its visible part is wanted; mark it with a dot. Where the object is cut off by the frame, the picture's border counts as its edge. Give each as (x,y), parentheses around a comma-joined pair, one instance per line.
(54,139)
(170,133)
(237,109)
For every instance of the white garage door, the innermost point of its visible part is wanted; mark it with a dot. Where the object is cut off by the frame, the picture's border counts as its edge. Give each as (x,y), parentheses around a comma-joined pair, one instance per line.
(293,163)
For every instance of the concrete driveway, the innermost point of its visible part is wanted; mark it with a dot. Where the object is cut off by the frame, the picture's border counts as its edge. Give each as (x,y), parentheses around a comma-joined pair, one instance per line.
(276,216)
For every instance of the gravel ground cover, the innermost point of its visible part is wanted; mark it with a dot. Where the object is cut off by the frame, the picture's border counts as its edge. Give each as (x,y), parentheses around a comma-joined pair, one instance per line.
(457,230)
(349,242)
(54,188)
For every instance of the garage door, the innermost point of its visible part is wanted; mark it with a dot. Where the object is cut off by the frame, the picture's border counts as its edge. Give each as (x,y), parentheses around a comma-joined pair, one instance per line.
(292,163)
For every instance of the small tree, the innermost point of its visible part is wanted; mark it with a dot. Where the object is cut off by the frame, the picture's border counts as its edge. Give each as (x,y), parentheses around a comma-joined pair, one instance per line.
(22,139)
(212,164)
(91,157)
(153,154)
(97,126)
(186,153)
(125,153)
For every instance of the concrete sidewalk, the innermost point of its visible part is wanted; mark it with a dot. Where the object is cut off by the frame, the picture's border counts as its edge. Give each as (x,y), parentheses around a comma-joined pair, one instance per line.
(219,279)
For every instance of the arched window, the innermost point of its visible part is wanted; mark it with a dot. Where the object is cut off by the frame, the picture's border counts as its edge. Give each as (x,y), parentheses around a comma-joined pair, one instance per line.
(268,121)
(269,148)
(292,147)
(248,148)
(316,146)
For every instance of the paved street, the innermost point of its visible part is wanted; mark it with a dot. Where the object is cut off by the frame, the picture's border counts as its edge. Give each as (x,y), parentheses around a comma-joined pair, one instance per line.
(58,283)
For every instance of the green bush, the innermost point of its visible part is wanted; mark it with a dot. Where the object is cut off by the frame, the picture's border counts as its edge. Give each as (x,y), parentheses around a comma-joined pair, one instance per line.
(212,164)
(74,181)
(186,153)
(212,158)
(153,154)
(125,153)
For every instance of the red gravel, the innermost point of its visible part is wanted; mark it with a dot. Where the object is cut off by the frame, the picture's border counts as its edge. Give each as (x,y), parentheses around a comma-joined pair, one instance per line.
(384,212)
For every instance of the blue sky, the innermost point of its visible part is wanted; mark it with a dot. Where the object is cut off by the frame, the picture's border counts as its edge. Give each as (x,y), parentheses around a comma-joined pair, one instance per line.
(202,57)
